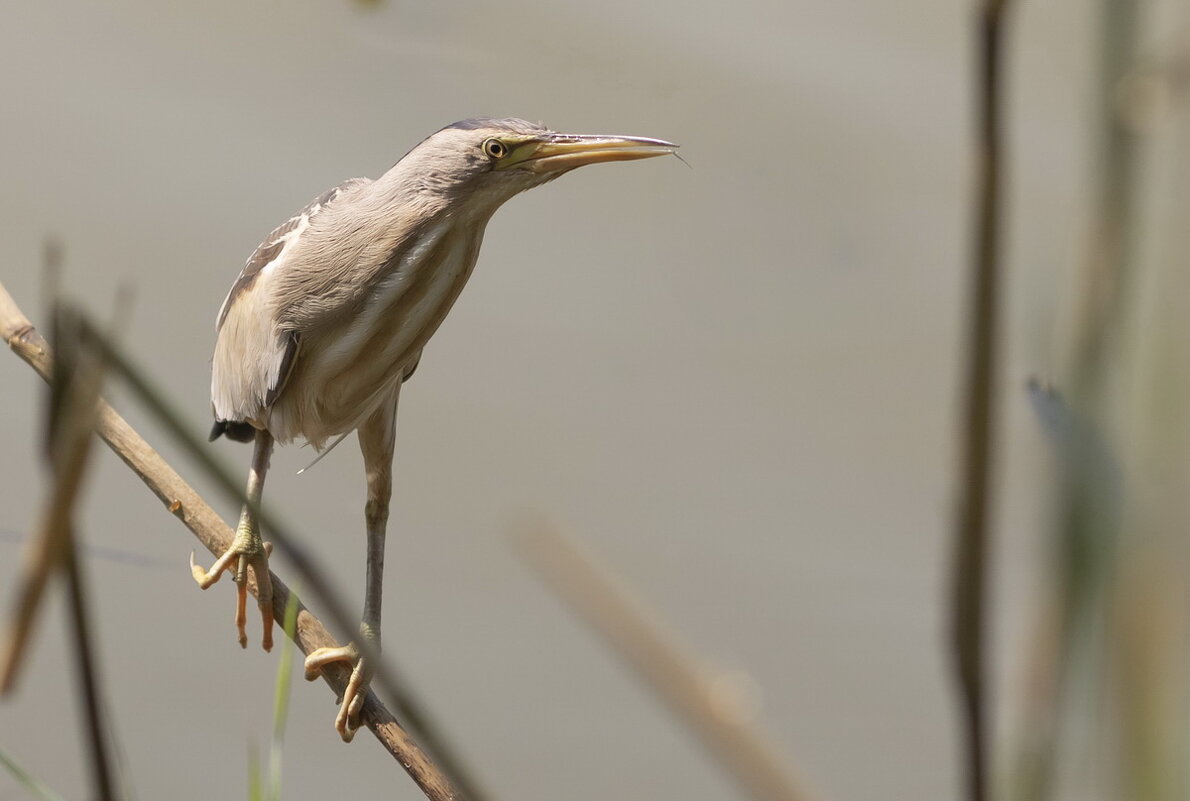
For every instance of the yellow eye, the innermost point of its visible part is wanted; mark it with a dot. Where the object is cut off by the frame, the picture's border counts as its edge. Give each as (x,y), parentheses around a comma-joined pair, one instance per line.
(495,148)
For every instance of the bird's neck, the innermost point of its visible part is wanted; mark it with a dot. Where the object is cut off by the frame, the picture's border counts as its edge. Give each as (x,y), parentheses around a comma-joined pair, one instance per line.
(426,191)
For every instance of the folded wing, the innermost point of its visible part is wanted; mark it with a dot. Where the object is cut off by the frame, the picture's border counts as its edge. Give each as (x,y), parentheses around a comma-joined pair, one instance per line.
(254,353)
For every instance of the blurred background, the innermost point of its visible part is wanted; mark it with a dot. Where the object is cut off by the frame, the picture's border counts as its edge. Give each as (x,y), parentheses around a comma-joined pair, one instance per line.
(734,382)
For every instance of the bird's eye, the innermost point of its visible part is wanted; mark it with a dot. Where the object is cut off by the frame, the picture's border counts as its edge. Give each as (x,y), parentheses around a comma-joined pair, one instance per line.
(495,148)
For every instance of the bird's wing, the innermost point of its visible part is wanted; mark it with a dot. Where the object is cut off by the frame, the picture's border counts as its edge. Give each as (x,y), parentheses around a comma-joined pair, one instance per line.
(253,356)
(268,250)
(356,258)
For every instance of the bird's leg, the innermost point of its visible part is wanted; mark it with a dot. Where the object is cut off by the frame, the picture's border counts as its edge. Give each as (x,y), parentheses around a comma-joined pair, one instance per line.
(376,441)
(248,549)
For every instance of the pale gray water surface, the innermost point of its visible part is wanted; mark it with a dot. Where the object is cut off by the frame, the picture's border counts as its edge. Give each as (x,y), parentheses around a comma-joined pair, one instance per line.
(734,382)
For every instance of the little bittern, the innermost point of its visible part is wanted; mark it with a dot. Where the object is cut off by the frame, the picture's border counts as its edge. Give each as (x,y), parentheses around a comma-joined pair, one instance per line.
(330,314)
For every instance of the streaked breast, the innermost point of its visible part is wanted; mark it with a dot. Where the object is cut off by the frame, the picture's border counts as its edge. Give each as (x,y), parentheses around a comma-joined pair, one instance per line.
(346,370)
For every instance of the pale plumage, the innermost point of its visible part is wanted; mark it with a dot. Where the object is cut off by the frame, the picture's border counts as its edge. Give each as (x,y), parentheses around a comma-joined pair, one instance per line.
(332,311)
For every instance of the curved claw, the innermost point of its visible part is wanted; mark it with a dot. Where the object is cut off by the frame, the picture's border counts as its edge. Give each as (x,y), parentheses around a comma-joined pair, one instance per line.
(237,561)
(321,657)
(347,721)
(206,578)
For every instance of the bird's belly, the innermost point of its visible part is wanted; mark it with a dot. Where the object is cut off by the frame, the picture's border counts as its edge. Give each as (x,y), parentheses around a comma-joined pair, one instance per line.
(346,372)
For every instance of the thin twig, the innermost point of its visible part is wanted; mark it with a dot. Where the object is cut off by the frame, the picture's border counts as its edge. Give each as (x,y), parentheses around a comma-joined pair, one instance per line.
(683,683)
(97,729)
(281,689)
(1091,549)
(186,504)
(78,378)
(969,578)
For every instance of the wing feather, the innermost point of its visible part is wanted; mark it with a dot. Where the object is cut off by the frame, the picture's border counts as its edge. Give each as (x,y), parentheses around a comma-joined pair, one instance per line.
(254,356)
(268,250)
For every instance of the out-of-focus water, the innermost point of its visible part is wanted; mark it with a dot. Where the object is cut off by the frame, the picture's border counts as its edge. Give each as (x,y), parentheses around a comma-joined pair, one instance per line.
(735,382)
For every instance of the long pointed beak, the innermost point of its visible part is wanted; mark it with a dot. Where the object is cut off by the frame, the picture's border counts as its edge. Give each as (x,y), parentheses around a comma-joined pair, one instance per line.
(558,152)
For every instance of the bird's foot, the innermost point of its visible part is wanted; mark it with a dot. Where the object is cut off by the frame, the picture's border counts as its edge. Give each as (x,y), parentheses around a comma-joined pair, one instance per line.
(352,703)
(247,550)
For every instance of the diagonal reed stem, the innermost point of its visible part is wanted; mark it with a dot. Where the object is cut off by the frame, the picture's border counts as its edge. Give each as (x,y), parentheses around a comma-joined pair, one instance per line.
(186,504)
(687,687)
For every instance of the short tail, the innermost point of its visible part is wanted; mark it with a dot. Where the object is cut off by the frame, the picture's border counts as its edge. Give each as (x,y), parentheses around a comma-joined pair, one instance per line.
(234,429)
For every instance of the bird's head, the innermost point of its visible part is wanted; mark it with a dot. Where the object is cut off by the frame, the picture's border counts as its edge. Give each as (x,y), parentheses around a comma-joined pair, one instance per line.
(487,161)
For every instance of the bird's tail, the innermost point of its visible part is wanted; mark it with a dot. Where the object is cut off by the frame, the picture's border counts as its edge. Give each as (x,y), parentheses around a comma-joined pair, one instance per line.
(236,430)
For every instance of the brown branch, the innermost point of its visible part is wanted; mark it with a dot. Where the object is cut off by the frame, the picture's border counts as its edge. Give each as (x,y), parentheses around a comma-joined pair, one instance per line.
(968,624)
(678,679)
(184,502)
(71,419)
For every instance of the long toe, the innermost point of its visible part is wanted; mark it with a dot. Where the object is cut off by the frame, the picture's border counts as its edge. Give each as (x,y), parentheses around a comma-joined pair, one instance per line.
(206,578)
(325,656)
(347,721)
(264,595)
(235,560)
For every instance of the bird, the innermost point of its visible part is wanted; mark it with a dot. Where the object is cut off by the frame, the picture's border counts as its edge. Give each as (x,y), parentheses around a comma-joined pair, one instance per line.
(329,317)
